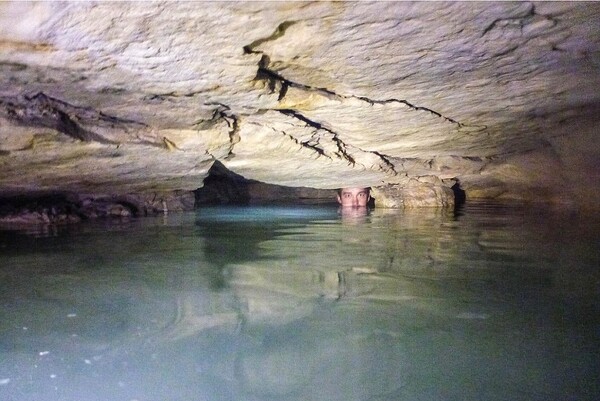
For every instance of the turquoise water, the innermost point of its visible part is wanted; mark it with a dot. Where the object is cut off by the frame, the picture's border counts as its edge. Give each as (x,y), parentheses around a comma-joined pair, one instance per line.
(499,302)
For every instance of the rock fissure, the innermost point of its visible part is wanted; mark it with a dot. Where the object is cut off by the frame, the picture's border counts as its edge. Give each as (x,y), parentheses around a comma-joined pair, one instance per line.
(279,32)
(308,145)
(162,96)
(264,73)
(46,111)
(409,104)
(223,112)
(272,78)
(41,110)
(277,82)
(386,160)
(342,147)
(516,21)
(529,17)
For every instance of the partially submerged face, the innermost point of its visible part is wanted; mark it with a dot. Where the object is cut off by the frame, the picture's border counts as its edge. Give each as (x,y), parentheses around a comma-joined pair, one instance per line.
(354,197)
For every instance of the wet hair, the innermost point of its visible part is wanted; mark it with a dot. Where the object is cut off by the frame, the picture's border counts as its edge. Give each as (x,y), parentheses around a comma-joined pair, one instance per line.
(339,190)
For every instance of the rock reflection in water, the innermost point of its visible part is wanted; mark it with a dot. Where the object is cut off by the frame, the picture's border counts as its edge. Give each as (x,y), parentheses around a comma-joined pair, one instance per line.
(306,304)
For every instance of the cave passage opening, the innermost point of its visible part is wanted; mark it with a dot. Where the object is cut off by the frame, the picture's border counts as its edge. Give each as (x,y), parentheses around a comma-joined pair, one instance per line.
(224,187)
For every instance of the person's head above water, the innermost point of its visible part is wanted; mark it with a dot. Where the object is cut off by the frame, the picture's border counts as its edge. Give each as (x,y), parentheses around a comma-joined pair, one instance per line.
(354,197)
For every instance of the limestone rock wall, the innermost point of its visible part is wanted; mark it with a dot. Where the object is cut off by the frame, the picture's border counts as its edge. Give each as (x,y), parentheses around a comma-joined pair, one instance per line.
(416,192)
(128,97)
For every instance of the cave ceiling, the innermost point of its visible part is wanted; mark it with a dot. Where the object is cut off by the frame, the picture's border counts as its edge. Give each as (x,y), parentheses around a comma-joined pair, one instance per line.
(139,97)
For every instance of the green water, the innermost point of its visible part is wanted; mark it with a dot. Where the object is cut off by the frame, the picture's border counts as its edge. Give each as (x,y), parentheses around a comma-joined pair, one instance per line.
(497,303)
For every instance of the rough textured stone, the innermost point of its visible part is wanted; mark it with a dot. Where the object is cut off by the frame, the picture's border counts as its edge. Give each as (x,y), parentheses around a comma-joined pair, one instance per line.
(68,208)
(416,192)
(127,97)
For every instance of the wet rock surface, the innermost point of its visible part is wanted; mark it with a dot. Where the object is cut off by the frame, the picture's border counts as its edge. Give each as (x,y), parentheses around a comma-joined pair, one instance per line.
(72,208)
(122,98)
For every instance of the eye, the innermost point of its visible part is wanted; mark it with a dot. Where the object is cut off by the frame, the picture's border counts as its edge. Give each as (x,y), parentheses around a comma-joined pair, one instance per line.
(362,195)
(347,195)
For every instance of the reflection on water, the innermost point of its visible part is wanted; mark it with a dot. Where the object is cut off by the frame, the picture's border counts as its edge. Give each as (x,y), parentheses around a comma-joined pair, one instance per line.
(497,303)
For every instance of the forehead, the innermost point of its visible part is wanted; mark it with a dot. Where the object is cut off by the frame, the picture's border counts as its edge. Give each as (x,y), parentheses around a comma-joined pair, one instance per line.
(354,191)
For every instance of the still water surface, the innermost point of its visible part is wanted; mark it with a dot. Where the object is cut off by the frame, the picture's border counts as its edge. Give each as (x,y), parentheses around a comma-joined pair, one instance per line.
(265,303)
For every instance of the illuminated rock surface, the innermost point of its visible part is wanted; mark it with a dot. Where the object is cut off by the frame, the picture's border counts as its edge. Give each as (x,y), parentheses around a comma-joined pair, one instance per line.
(121,98)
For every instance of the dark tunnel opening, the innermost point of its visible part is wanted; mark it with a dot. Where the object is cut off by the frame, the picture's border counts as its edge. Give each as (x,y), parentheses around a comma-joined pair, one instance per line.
(460,197)
(224,187)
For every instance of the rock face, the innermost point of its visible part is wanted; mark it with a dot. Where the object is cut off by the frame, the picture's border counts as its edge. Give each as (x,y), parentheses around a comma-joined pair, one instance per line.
(118,98)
